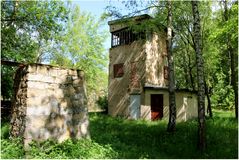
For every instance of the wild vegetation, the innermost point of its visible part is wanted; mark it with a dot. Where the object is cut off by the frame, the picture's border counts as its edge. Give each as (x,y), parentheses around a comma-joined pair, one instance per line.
(54,32)
(199,48)
(120,138)
(61,34)
(49,32)
(218,32)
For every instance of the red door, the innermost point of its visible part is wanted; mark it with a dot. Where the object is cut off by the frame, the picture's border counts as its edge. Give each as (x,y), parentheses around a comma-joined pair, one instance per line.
(156,106)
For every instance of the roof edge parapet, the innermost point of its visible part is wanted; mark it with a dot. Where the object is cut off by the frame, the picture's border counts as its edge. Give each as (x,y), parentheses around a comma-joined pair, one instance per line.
(134,18)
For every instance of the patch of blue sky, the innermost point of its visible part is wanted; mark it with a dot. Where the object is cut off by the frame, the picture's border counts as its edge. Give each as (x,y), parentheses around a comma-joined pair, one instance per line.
(98,7)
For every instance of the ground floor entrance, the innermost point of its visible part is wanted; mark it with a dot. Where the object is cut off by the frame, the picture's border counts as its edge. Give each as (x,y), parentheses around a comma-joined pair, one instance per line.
(156,106)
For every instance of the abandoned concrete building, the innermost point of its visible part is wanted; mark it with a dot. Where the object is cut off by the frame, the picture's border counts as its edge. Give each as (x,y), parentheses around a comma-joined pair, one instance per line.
(138,83)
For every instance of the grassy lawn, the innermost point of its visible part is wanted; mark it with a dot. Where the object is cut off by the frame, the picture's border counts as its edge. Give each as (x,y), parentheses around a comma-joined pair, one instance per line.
(119,138)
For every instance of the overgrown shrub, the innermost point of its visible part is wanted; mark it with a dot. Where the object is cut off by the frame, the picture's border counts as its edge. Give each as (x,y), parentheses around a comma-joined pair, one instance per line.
(120,138)
(11,149)
(80,149)
(103,103)
(223,94)
(5,129)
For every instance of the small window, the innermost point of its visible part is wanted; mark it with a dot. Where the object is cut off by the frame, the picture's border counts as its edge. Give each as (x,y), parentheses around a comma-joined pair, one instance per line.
(165,68)
(118,70)
(115,39)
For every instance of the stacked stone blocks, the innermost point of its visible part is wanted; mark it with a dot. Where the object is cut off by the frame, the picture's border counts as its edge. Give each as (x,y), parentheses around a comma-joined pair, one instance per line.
(49,103)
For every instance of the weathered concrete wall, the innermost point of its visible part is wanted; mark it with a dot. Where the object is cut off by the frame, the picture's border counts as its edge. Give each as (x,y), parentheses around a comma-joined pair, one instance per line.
(49,102)
(156,59)
(132,82)
(186,105)
(144,62)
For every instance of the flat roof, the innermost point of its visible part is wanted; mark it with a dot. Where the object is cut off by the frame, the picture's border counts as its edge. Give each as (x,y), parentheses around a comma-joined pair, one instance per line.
(22,64)
(156,87)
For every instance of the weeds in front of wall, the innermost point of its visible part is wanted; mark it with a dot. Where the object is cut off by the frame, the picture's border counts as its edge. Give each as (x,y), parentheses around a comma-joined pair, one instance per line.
(120,138)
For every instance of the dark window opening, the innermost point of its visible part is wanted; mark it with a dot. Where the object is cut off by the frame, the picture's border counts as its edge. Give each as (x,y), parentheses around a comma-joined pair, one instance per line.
(118,70)
(126,36)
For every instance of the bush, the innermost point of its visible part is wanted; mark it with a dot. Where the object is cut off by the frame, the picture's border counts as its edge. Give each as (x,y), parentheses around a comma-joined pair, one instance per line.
(5,130)
(80,149)
(103,103)
(223,94)
(11,149)
(121,138)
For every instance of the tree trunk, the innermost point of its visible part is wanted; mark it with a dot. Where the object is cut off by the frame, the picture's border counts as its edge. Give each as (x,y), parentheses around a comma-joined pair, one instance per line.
(200,77)
(172,103)
(233,81)
(233,78)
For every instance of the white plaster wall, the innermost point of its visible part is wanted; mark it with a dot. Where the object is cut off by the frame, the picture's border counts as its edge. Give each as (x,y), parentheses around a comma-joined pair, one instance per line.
(186,105)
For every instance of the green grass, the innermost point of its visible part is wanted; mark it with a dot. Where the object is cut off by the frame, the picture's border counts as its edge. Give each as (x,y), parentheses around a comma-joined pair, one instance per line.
(120,138)
(223,113)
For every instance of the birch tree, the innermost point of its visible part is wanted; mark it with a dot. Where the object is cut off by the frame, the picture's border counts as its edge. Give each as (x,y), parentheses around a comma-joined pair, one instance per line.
(200,76)
(171,89)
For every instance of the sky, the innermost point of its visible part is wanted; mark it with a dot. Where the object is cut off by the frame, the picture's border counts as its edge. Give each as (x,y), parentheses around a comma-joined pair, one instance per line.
(97,8)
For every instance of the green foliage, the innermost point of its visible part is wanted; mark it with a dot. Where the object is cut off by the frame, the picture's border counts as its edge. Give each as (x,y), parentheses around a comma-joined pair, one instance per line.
(223,33)
(5,129)
(11,149)
(215,51)
(226,28)
(222,96)
(7,76)
(33,31)
(27,29)
(80,149)
(120,138)
(222,128)
(103,103)
(27,26)
(81,47)
(144,139)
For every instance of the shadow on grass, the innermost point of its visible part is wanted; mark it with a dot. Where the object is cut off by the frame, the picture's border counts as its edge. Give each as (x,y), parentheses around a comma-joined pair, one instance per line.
(119,138)
(143,139)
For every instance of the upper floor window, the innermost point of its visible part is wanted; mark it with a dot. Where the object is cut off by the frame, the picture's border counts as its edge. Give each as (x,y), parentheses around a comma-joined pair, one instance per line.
(125,36)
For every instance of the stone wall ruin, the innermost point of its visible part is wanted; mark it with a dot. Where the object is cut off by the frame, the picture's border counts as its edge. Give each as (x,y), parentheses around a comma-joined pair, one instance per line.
(49,103)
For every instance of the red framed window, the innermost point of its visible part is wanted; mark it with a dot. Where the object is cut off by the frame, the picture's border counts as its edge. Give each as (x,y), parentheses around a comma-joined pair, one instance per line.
(118,70)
